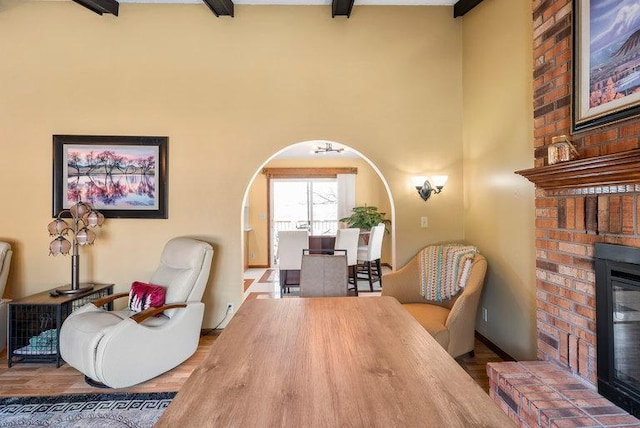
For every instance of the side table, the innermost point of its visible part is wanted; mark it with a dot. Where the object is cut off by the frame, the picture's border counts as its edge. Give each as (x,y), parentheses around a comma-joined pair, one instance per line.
(35,321)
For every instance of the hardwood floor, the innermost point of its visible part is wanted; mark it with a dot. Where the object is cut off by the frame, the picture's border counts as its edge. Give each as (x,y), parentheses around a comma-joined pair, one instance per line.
(46,379)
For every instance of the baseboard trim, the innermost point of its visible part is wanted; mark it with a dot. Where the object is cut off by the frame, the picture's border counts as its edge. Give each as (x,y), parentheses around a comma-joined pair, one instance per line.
(258,266)
(489,344)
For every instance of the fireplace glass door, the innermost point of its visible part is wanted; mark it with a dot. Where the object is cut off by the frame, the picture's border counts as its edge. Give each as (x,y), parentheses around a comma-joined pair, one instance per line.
(626,332)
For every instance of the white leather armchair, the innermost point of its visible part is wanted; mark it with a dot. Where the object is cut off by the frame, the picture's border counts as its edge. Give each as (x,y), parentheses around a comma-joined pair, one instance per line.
(120,348)
(5,264)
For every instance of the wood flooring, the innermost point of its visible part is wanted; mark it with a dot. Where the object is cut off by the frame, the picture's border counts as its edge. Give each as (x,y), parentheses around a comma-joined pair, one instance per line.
(46,379)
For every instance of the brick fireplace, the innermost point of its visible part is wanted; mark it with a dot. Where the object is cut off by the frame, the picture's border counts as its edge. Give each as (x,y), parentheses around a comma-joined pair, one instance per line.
(570,219)
(594,199)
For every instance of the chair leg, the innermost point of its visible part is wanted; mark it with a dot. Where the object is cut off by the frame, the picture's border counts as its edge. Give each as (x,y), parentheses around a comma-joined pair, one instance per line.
(353,276)
(379,272)
(283,282)
(369,271)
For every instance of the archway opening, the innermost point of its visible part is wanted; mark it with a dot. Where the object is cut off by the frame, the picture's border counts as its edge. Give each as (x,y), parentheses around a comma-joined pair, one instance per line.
(371,189)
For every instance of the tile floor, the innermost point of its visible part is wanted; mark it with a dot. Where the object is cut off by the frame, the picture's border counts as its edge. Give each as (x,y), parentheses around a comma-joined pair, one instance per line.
(267,281)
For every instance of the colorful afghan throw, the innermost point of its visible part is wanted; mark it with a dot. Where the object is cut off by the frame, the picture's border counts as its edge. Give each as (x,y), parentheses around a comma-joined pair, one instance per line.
(445,270)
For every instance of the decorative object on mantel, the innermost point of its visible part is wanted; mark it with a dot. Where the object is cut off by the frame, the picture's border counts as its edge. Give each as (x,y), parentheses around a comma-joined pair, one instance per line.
(561,150)
(609,170)
(83,218)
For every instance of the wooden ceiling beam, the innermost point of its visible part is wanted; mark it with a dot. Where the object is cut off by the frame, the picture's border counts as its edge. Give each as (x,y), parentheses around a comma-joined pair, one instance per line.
(341,8)
(220,7)
(100,6)
(463,6)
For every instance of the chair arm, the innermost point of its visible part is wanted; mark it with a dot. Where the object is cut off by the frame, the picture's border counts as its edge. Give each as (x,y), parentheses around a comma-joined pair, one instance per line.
(98,303)
(462,317)
(151,312)
(404,283)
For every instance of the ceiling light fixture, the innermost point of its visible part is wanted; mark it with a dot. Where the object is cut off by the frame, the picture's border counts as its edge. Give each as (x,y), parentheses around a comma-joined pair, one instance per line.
(326,148)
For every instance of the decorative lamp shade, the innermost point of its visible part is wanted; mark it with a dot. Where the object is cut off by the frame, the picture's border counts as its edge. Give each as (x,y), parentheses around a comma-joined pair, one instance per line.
(85,236)
(418,180)
(93,218)
(59,246)
(79,209)
(439,180)
(58,227)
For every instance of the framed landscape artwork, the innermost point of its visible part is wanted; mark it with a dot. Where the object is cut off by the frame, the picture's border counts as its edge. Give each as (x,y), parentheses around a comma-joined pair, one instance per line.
(606,61)
(122,177)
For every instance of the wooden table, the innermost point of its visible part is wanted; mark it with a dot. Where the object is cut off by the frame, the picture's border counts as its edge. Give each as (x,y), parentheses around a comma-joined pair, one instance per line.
(329,362)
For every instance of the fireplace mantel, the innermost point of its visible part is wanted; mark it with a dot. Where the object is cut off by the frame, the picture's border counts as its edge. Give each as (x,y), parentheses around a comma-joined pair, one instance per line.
(608,170)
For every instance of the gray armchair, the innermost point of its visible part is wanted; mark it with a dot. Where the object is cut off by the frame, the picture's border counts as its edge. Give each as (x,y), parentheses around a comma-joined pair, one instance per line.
(123,348)
(5,264)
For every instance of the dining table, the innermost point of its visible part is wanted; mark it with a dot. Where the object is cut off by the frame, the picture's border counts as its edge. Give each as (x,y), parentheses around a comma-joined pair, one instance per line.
(329,362)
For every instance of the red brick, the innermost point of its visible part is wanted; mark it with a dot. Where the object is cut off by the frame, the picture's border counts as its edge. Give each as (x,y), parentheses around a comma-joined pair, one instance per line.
(603,213)
(615,214)
(579,220)
(620,146)
(627,214)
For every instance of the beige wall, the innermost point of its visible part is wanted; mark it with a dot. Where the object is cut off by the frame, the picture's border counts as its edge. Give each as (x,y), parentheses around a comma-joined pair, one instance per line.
(229,93)
(498,130)
(369,190)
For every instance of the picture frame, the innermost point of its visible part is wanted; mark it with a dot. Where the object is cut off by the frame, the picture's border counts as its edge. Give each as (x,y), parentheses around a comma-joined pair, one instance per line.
(606,88)
(120,176)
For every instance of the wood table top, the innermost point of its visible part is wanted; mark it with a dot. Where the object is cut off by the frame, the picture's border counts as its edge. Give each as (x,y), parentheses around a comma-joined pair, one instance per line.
(328,362)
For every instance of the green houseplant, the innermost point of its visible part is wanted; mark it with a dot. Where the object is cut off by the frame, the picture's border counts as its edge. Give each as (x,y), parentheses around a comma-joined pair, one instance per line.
(365,218)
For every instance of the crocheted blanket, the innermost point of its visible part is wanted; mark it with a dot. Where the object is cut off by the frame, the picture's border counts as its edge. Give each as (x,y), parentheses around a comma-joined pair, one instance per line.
(445,270)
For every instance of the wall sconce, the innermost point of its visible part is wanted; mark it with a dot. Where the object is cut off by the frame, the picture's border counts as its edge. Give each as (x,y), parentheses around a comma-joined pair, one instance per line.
(425,187)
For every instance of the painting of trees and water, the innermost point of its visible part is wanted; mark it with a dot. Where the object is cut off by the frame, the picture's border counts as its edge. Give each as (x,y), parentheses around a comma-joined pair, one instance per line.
(122,177)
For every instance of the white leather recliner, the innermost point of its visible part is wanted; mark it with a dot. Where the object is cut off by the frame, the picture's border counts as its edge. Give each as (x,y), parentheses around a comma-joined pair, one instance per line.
(123,348)
(5,264)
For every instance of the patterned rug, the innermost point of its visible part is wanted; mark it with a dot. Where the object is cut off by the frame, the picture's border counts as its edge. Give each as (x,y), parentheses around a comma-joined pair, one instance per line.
(85,410)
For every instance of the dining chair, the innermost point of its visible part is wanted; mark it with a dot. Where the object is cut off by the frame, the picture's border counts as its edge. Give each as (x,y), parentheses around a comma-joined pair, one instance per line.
(324,273)
(5,264)
(290,246)
(347,239)
(369,256)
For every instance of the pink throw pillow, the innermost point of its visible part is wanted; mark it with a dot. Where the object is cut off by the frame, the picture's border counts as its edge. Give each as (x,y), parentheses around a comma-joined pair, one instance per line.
(143,296)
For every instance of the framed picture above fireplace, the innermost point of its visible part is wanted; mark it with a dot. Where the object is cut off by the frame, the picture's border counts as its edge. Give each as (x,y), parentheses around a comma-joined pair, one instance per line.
(120,176)
(606,71)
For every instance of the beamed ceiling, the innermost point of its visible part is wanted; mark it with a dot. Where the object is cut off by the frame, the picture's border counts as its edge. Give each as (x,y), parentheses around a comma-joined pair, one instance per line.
(338,7)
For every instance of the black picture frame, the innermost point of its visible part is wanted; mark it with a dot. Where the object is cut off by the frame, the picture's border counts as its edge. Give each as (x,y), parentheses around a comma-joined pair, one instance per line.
(600,96)
(120,176)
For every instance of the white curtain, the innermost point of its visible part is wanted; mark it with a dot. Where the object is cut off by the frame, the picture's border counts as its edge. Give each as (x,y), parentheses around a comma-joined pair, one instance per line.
(346,194)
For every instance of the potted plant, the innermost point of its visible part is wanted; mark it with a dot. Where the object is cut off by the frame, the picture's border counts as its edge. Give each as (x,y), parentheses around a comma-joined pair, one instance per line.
(365,218)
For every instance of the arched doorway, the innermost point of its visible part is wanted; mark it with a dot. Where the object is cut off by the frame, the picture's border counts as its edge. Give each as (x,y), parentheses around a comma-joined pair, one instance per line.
(371,189)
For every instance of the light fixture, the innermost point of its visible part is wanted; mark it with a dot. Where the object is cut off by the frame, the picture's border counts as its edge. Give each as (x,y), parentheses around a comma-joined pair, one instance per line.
(326,148)
(78,229)
(425,187)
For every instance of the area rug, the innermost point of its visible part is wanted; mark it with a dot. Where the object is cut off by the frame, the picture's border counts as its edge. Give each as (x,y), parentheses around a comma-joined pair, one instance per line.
(85,410)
